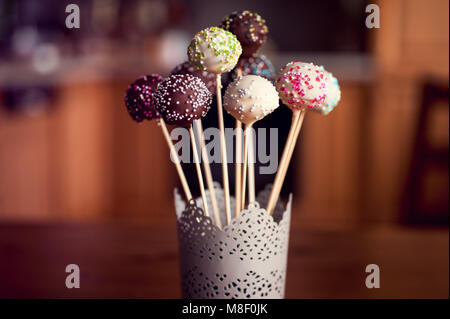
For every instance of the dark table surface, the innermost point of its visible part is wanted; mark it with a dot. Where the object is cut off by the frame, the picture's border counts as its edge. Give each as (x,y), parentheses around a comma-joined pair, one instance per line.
(118,261)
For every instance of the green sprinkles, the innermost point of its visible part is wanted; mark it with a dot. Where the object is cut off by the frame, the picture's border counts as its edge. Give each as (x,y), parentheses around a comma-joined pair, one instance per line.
(215,50)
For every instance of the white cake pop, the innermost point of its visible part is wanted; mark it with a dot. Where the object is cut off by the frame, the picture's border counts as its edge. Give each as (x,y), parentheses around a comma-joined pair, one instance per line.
(302,85)
(214,50)
(333,96)
(250,98)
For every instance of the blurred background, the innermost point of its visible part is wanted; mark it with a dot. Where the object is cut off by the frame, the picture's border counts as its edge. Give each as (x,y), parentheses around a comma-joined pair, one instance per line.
(70,152)
(81,182)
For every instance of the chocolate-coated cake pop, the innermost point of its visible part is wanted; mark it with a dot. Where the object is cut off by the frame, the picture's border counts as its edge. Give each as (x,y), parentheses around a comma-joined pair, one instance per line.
(208,78)
(254,65)
(139,97)
(181,99)
(249,28)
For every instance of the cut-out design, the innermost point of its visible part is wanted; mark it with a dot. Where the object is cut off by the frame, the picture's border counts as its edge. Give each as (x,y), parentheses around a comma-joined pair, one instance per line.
(246,259)
(197,285)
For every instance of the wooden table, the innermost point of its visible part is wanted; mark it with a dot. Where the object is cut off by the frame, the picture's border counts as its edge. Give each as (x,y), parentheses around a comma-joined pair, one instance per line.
(118,261)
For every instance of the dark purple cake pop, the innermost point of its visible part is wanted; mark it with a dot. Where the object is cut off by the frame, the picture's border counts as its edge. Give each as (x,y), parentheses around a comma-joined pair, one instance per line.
(181,99)
(139,97)
(207,77)
(249,28)
(254,65)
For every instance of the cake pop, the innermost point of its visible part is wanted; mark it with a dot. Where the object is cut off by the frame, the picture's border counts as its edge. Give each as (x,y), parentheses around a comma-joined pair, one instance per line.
(333,96)
(253,65)
(249,99)
(214,50)
(251,31)
(249,28)
(140,103)
(301,86)
(182,98)
(139,99)
(217,50)
(208,78)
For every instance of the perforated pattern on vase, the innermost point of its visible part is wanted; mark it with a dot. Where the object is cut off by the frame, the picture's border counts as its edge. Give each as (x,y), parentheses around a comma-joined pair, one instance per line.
(252,236)
(246,259)
(196,284)
(262,199)
(194,227)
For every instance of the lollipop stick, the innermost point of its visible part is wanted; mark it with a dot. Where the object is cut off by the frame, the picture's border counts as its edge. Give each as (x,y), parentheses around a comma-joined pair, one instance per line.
(285,158)
(238,167)
(226,187)
(298,127)
(207,170)
(251,169)
(199,170)
(238,164)
(244,165)
(174,155)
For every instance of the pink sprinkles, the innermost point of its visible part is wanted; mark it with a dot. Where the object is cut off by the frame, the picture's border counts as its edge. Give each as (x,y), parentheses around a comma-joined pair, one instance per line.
(302,85)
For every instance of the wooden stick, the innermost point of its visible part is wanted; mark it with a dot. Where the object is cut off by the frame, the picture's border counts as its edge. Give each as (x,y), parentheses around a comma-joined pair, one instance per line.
(279,178)
(238,167)
(174,155)
(223,147)
(298,127)
(238,161)
(199,170)
(248,127)
(251,169)
(207,170)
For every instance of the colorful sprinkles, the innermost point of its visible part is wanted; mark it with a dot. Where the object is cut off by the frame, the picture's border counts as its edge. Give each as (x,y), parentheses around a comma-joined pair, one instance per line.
(302,85)
(254,65)
(334,95)
(214,50)
(250,29)
(139,97)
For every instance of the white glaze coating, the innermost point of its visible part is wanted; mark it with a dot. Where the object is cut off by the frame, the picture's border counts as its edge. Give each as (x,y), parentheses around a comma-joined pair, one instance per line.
(214,50)
(250,98)
(333,96)
(302,85)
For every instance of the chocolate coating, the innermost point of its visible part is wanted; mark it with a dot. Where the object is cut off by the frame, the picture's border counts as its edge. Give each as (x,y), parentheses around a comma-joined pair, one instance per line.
(207,77)
(139,97)
(254,65)
(181,99)
(249,28)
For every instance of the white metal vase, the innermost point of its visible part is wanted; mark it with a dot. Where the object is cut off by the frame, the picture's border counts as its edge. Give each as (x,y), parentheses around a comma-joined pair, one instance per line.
(246,259)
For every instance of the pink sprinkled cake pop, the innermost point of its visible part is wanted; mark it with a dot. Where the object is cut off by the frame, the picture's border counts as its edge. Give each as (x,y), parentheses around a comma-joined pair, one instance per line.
(302,85)
(139,97)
